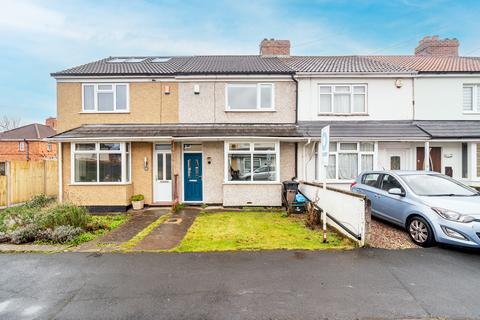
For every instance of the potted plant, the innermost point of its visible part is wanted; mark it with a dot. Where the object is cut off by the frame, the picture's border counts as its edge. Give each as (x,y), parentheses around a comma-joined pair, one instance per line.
(138,201)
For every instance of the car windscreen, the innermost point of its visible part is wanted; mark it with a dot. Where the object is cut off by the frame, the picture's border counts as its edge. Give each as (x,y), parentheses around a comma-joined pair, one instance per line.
(436,185)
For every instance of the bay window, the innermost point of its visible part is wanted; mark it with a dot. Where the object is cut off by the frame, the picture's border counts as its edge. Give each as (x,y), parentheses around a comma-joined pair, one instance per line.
(105,97)
(250,97)
(100,162)
(252,161)
(342,99)
(348,159)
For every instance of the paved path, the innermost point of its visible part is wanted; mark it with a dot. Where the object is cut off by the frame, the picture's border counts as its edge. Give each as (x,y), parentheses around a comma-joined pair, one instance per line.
(126,231)
(170,233)
(370,283)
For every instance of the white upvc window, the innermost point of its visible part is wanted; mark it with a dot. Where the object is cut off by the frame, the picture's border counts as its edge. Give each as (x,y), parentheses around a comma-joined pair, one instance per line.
(471,98)
(342,99)
(250,97)
(21,146)
(252,162)
(105,97)
(100,163)
(348,159)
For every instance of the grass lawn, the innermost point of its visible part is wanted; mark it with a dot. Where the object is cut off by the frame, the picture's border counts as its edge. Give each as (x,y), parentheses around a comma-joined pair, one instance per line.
(255,231)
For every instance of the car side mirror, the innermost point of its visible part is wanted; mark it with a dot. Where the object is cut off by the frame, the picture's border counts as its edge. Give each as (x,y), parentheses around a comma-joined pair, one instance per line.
(396,192)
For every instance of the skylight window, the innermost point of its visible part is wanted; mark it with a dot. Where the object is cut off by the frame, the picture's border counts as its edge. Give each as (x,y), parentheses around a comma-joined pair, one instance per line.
(129,60)
(161,59)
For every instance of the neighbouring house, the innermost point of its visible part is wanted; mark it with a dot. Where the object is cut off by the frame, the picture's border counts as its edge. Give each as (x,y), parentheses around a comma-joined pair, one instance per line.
(26,142)
(229,129)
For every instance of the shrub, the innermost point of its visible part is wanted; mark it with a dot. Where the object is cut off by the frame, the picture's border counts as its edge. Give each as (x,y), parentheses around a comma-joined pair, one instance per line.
(4,237)
(65,233)
(24,234)
(40,201)
(137,197)
(65,215)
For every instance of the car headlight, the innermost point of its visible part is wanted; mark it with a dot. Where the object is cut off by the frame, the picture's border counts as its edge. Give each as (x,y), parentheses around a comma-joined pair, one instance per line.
(452,215)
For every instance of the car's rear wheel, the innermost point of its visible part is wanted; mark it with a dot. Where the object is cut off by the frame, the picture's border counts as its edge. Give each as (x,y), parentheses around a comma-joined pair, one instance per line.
(420,232)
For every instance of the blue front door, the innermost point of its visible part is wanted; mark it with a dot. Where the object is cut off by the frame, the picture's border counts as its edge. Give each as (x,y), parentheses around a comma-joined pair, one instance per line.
(192,176)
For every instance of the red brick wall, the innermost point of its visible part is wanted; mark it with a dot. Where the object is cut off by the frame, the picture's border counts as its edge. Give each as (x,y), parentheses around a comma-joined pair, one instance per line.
(274,47)
(429,46)
(37,150)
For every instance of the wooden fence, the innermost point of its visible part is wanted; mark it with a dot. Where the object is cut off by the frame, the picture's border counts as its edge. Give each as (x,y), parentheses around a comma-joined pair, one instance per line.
(23,180)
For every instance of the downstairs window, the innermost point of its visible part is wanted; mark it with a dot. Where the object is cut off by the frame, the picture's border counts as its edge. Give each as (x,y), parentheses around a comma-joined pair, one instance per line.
(348,159)
(100,162)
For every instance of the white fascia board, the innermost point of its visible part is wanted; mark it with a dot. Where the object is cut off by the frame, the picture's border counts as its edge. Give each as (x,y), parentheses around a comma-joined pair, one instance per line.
(242,138)
(113,79)
(449,75)
(252,77)
(117,139)
(379,139)
(353,75)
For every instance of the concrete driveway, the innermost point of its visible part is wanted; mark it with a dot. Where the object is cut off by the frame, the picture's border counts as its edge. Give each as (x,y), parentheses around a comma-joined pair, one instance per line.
(369,283)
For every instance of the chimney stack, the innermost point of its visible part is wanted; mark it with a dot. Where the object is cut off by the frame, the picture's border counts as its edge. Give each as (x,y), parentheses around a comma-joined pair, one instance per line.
(433,46)
(275,48)
(51,122)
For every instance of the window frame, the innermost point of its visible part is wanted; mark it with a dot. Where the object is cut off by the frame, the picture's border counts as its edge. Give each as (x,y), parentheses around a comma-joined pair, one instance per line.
(113,91)
(258,86)
(357,151)
(21,146)
(126,179)
(332,87)
(251,152)
(475,98)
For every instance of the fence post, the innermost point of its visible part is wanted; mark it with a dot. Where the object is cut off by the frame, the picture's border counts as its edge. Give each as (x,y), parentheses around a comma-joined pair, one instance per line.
(8,174)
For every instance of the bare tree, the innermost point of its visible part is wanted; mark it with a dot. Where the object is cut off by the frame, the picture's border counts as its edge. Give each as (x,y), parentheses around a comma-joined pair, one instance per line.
(9,123)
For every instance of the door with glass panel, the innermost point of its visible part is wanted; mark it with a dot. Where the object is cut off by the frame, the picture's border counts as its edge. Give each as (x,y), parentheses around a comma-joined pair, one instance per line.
(162,168)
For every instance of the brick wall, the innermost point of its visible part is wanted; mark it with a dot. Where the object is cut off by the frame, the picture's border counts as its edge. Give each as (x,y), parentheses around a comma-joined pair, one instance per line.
(37,150)
(437,47)
(275,48)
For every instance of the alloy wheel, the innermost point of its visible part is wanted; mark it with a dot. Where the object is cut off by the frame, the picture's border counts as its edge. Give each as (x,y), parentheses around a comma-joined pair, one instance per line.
(418,231)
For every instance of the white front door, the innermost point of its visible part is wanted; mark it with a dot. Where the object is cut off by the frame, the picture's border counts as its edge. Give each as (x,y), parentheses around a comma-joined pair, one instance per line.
(395,159)
(162,173)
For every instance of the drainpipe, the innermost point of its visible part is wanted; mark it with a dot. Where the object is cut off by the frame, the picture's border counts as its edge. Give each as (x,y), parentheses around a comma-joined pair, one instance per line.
(296,122)
(26,149)
(413,98)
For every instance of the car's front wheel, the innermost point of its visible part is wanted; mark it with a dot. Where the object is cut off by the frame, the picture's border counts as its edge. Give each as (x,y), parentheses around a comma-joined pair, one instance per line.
(420,232)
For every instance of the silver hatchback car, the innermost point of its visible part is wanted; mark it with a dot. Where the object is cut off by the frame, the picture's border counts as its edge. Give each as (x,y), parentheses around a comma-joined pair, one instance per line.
(431,206)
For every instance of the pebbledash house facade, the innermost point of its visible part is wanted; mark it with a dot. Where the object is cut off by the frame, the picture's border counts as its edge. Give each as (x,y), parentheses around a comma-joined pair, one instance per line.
(229,129)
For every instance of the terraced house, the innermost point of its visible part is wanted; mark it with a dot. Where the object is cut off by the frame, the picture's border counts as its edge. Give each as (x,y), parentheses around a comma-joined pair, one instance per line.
(228,129)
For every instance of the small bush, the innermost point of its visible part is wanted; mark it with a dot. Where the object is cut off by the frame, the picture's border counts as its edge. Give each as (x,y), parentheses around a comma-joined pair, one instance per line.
(177,207)
(65,233)
(4,237)
(137,197)
(24,234)
(40,201)
(65,215)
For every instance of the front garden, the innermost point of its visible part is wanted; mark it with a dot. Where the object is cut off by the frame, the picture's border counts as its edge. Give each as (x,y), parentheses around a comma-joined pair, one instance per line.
(44,221)
(229,231)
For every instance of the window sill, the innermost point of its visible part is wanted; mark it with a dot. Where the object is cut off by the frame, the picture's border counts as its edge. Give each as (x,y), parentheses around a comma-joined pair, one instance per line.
(343,114)
(107,112)
(252,182)
(100,184)
(471,113)
(252,111)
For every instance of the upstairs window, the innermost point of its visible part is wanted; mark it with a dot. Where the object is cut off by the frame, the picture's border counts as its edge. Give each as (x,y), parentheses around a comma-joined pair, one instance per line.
(250,97)
(471,98)
(342,99)
(104,97)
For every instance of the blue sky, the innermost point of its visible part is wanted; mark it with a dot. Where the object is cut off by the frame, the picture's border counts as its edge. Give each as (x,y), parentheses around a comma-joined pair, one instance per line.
(39,37)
